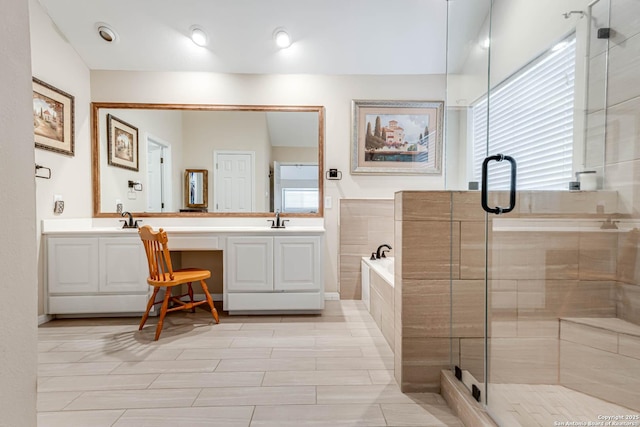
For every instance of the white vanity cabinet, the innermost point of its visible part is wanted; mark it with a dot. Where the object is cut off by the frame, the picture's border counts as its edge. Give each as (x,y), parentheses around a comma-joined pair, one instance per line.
(96,274)
(274,273)
(103,270)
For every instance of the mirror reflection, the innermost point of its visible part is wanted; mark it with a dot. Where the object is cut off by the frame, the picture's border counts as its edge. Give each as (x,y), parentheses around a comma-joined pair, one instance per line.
(261,159)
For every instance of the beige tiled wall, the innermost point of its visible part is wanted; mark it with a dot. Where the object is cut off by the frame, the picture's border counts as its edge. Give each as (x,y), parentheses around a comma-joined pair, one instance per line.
(365,224)
(424,237)
(382,306)
(535,279)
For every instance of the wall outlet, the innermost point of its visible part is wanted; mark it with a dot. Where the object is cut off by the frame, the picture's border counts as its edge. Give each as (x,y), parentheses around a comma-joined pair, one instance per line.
(58,206)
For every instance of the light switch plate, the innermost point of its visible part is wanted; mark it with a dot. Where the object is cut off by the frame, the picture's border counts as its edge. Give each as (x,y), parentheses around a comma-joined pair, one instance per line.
(328,202)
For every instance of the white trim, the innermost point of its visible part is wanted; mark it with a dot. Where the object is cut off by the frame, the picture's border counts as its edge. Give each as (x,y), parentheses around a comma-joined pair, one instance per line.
(44,318)
(331,296)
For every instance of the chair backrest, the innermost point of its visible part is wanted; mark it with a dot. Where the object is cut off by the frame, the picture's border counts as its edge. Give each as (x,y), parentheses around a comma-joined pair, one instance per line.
(157,251)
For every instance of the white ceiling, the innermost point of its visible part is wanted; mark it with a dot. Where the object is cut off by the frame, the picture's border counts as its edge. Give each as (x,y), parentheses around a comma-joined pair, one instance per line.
(329,36)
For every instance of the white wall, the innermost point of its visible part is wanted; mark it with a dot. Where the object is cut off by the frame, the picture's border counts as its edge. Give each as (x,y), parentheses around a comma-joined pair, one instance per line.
(18,327)
(335,93)
(294,154)
(55,62)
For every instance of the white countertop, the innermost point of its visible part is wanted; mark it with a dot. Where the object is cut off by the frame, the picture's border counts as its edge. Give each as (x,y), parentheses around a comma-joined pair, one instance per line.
(111,226)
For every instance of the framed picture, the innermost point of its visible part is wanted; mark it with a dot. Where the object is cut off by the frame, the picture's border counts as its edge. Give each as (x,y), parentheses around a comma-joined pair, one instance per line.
(52,118)
(122,144)
(397,137)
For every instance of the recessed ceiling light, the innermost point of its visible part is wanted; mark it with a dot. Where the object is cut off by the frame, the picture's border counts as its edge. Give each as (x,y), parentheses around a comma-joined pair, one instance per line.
(106,33)
(199,36)
(282,38)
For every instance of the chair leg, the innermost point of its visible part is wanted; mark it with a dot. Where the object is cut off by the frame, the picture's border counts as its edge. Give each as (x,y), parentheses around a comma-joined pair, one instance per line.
(214,312)
(149,305)
(163,312)
(190,292)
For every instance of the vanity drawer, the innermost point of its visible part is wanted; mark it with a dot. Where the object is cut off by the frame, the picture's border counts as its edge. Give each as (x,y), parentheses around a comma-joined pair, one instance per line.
(181,242)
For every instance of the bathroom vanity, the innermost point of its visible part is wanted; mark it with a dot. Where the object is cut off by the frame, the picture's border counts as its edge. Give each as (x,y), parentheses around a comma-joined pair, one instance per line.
(96,269)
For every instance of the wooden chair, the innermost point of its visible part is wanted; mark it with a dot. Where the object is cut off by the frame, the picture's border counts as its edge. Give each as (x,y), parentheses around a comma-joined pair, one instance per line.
(161,274)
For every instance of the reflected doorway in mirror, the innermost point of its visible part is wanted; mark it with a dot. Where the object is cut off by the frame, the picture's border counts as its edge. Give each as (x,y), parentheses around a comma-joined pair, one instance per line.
(159,177)
(234,181)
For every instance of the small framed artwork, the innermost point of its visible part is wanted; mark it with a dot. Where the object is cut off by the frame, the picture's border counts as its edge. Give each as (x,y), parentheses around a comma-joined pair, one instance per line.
(396,137)
(53,118)
(122,144)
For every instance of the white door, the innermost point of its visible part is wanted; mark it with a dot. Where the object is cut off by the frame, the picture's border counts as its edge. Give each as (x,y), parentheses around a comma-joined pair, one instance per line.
(155,172)
(234,181)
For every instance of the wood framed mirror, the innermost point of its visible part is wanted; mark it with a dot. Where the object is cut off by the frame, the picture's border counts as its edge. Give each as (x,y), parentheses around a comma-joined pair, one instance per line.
(177,137)
(196,194)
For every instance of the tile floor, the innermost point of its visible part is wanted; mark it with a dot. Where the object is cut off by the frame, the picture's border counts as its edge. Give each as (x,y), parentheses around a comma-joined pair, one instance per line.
(539,405)
(333,369)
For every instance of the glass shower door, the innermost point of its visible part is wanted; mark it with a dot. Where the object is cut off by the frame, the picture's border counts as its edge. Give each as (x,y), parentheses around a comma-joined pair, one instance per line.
(467,81)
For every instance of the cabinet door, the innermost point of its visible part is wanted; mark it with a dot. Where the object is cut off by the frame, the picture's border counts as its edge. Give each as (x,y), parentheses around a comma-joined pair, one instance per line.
(249,264)
(297,263)
(72,265)
(122,265)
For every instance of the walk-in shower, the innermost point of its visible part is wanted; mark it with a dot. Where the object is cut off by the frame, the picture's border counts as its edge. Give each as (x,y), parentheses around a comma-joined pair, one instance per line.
(545,299)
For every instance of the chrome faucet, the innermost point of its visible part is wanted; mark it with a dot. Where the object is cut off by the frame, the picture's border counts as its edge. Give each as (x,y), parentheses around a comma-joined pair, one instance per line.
(380,254)
(277,223)
(131,223)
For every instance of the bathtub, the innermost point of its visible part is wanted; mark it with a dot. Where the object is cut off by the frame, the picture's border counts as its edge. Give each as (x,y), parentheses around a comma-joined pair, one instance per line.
(378,294)
(382,267)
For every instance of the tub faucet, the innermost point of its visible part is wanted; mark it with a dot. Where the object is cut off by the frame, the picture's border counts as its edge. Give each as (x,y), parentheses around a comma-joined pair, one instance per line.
(608,224)
(380,253)
(130,223)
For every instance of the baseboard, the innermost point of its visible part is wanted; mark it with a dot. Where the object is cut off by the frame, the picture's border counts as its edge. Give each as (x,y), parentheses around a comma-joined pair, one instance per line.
(44,319)
(331,296)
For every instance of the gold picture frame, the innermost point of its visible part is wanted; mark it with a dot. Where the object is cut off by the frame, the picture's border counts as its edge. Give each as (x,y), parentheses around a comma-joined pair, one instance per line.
(122,144)
(53,118)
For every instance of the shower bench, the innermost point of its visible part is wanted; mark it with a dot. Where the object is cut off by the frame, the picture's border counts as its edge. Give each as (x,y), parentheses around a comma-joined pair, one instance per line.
(601,357)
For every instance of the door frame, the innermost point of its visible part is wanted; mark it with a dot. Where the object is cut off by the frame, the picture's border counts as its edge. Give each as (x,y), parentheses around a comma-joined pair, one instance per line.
(216,178)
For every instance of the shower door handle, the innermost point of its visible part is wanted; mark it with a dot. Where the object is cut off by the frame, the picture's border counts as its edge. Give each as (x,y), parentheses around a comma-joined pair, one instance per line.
(512,191)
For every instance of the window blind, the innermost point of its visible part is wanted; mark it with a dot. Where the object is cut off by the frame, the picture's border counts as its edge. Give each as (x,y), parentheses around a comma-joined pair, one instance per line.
(531,119)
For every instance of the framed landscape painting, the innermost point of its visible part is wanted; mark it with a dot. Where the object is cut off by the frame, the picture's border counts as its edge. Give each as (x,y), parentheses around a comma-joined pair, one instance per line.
(122,144)
(52,118)
(397,137)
